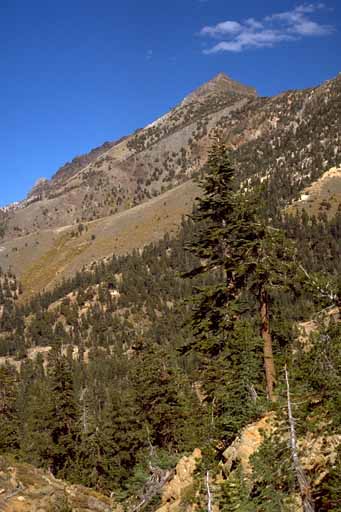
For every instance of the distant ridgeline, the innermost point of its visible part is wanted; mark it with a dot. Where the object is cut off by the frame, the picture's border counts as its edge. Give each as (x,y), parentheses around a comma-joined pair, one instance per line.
(288,140)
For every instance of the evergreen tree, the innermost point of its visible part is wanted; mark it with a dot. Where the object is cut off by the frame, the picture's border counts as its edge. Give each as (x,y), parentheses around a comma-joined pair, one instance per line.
(9,421)
(63,415)
(250,260)
(166,400)
(33,410)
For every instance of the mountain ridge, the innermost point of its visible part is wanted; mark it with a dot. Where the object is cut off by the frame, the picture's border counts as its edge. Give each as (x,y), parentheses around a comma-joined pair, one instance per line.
(219,84)
(288,141)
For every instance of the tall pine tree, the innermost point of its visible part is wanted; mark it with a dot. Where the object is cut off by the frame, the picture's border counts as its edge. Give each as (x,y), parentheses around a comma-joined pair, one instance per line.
(249,259)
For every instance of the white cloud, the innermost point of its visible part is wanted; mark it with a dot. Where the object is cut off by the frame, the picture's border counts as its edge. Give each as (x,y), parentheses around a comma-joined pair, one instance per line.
(236,36)
(252,23)
(221,29)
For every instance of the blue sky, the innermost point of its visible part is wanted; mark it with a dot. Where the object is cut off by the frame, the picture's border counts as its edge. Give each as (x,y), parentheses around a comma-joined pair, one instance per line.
(76,73)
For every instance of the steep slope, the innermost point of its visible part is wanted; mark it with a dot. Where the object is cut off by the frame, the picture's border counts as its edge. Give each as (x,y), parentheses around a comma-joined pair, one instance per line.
(287,142)
(40,261)
(292,140)
(322,196)
(27,489)
(219,85)
(120,175)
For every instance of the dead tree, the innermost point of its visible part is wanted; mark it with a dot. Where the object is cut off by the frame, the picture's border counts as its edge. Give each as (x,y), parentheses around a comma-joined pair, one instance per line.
(303,483)
(209,495)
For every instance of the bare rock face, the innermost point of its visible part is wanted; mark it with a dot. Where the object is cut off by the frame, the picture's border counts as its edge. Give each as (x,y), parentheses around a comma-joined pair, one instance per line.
(320,454)
(38,191)
(219,85)
(246,445)
(173,492)
(24,488)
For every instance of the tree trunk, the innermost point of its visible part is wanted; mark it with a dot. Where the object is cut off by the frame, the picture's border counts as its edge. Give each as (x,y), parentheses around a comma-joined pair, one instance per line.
(305,491)
(269,364)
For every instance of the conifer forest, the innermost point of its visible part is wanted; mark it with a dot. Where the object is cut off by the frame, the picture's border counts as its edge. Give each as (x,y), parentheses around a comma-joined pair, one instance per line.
(109,379)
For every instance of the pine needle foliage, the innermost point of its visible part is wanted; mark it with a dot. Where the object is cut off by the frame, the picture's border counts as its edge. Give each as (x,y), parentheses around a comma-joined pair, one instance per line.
(250,261)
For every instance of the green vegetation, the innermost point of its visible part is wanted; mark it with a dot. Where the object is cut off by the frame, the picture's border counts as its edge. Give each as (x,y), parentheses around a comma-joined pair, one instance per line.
(182,345)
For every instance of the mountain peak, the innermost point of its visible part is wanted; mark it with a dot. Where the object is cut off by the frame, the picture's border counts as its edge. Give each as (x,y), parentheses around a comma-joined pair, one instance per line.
(220,77)
(219,84)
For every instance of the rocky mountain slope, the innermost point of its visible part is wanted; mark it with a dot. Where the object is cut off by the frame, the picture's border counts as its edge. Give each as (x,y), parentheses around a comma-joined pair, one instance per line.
(122,174)
(287,141)
(42,258)
(322,196)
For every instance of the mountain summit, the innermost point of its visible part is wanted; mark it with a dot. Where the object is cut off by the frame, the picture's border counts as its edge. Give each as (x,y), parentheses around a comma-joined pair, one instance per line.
(221,84)
(127,193)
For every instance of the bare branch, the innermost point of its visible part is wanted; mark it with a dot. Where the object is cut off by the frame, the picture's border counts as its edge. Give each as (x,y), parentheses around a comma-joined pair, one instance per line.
(304,485)
(209,495)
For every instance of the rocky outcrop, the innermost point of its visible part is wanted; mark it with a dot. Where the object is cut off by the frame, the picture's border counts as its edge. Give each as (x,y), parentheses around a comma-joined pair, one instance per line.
(319,454)
(38,190)
(174,491)
(246,444)
(220,84)
(24,488)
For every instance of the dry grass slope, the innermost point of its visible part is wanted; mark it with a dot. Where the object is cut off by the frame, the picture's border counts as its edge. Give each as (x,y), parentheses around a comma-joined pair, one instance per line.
(322,196)
(58,253)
